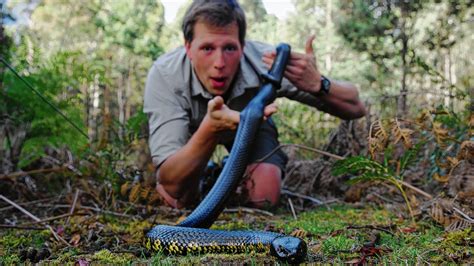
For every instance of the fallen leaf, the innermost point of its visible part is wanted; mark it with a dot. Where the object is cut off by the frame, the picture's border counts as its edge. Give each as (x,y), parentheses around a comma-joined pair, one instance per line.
(76,238)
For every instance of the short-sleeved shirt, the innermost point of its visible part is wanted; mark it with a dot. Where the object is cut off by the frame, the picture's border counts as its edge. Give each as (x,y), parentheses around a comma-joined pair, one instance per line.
(176,102)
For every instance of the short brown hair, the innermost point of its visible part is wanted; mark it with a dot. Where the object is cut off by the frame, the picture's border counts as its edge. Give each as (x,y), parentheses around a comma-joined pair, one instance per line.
(218,13)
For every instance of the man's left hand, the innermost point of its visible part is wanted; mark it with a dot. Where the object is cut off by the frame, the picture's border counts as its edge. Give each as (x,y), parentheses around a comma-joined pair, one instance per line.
(301,70)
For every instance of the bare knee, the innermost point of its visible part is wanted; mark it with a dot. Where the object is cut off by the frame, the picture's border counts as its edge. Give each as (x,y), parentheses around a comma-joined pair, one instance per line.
(264,184)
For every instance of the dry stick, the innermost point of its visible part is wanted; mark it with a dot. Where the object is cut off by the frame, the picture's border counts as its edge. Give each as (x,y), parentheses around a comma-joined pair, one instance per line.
(25,204)
(248,210)
(294,194)
(37,171)
(20,227)
(469,219)
(73,206)
(92,209)
(337,157)
(292,209)
(54,218)
(58,238)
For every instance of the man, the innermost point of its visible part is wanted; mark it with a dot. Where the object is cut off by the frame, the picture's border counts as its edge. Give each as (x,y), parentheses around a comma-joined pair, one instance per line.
(194,94)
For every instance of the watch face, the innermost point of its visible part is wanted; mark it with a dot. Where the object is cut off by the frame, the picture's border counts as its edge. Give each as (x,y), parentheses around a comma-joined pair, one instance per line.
(325,85)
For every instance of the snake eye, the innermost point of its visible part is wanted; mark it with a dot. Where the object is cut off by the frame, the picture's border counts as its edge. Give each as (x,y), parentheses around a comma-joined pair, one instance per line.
(290,249)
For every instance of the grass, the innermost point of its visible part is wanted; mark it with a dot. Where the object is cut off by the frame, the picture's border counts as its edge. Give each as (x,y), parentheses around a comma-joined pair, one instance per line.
(340,235)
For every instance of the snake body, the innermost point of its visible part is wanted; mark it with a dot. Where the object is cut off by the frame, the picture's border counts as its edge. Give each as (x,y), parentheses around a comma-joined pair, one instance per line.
(191,235)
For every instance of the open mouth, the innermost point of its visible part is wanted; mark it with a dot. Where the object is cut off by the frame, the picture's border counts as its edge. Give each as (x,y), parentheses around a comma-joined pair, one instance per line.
(218,81)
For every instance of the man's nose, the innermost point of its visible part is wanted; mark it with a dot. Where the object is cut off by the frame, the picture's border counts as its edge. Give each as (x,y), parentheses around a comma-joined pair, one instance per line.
(219,61)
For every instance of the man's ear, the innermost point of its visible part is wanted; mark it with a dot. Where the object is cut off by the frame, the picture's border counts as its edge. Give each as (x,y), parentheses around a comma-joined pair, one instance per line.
(187,46)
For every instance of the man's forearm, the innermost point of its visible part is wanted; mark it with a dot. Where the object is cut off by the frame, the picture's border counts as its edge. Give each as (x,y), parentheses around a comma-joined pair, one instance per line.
(179,174)
(343,101)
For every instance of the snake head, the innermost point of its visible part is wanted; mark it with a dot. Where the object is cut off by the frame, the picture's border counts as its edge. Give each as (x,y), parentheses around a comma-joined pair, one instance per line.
(289,249)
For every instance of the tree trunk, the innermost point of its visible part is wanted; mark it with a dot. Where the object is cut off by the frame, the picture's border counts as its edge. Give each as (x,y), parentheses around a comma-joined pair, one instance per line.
(402,98)
(329,26)
(121,103)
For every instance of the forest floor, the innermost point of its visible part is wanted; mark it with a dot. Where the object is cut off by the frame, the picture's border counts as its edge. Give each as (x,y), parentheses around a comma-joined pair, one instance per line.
(64,213)
(335,233)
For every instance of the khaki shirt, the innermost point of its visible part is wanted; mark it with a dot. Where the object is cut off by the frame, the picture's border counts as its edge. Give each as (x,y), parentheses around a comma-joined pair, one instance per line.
(176,102)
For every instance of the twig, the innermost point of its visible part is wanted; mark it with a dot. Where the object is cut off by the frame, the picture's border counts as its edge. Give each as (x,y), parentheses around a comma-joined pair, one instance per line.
(469,219)
(92,209)
(369,227)
(337,157)
(292,209)
(59,238)
(25,204)
(417,190)
(384,198)
(294,194)
(248,210)
(37,171)
(54,218)
(73,206)
(20,227)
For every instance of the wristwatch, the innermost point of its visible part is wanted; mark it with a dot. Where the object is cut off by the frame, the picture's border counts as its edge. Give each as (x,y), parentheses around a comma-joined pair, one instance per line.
(325,85)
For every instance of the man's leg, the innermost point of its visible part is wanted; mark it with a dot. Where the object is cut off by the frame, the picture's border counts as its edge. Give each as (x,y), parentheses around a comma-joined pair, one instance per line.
(264,178)
(263,185)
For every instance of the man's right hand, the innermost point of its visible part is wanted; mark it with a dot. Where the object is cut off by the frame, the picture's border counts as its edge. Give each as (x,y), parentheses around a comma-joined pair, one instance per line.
(221,117)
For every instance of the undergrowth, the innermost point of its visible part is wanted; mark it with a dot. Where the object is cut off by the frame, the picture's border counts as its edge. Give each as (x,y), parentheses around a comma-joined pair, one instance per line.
(340,234)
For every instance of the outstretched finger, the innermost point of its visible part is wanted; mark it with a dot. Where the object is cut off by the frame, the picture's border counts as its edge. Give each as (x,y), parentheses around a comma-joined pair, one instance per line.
(309,45)
(215,103)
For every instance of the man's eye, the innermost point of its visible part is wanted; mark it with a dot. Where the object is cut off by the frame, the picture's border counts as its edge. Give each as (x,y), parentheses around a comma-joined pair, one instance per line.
(207,49)
(231,48)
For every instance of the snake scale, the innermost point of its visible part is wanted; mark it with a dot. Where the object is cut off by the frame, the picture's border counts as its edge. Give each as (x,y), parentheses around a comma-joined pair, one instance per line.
(192,235)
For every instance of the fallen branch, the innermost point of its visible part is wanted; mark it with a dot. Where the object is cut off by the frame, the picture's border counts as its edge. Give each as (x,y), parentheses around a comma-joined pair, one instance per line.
(292,209)
(248,210)
(294,194)
(26,204)
(73,206)
(37,171)
(56,236)
(337,157)
(92,209)
(417,190)
(54,218)
(465,216)
(371,227)
(325,153)
(20,227)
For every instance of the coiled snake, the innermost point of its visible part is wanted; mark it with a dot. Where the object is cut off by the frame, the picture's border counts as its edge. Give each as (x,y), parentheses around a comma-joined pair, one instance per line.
(192,235)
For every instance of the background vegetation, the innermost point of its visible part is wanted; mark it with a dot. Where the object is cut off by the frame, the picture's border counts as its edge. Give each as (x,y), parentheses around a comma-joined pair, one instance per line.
(410,59)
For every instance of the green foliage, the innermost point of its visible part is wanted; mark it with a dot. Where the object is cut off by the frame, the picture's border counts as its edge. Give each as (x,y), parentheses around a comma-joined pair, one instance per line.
(365,169)
(56,80)
(301,124)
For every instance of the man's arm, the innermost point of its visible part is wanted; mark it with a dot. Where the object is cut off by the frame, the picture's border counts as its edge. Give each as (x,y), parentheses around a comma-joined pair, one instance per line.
(343,98)
(179,173)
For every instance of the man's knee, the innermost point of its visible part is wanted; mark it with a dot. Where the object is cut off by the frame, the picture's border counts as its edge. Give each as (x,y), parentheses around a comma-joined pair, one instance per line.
(264,184)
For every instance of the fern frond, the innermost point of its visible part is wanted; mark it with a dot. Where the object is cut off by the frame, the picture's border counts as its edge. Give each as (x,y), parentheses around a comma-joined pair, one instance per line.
(364,168)
(378,138)
(403,134)
(441,134)
(409,156)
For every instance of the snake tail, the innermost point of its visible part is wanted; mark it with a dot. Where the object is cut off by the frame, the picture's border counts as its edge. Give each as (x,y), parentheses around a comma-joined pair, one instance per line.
(184,240)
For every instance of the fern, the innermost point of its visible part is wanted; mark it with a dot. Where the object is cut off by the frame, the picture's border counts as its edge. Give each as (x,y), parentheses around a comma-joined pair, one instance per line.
(365,170)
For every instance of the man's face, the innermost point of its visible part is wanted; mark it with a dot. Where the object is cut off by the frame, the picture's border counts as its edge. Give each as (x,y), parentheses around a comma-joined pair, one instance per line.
(215,53)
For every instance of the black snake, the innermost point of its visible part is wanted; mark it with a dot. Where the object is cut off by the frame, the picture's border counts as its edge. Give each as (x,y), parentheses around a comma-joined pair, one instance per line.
(191,236)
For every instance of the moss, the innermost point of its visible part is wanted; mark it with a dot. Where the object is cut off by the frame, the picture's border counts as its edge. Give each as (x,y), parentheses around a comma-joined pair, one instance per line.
(105,256)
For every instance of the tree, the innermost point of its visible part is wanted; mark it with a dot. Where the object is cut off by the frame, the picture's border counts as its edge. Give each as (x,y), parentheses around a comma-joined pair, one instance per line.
(121,37)
(383,29)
